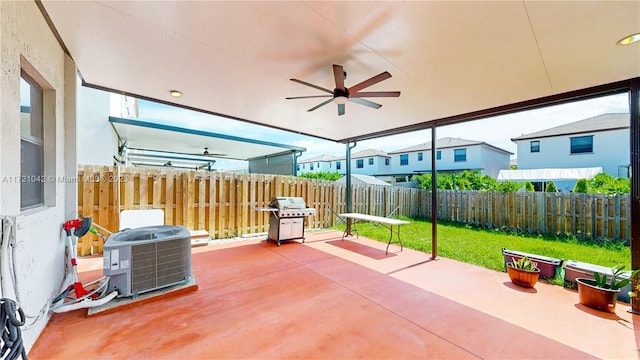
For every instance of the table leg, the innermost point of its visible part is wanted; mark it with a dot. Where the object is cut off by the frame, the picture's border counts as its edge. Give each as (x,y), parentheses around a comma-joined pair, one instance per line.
(391,238)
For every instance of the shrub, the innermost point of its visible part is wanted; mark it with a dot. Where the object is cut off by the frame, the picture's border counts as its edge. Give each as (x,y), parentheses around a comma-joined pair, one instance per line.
(551,187)
(581,186)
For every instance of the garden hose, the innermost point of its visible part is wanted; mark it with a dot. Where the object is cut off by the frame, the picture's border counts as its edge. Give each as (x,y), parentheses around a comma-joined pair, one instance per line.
(11,337)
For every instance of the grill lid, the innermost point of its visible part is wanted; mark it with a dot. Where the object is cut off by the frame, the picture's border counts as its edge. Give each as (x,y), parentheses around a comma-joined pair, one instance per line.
(283,203)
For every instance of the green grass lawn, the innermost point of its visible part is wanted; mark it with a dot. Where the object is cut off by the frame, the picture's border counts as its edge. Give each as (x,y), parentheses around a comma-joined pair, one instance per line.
(483,247)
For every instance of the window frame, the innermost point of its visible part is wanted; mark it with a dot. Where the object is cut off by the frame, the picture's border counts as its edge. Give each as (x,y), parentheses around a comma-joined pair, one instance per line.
(32,180)
(404,159)
(534,146)
(359,163)
(460,158)
(572,146)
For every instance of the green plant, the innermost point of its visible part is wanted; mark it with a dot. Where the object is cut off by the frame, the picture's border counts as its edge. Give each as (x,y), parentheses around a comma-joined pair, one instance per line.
(524,263)
(551,187)
(616,271)
(581,186)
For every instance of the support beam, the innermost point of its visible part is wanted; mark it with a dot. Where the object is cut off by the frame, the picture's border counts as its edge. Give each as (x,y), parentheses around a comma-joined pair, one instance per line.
(634,131)
(434,195)
(348,175)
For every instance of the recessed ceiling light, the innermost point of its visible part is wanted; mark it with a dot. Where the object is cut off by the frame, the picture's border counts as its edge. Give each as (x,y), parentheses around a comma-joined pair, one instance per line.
(629,39)
(175,93)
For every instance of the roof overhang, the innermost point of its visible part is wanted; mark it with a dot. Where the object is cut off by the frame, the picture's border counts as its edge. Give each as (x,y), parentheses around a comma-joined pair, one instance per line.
(453,61)
(153,140)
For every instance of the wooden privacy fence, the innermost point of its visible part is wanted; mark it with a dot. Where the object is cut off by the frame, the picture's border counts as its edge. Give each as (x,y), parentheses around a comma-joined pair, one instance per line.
(586,216)
(224,203)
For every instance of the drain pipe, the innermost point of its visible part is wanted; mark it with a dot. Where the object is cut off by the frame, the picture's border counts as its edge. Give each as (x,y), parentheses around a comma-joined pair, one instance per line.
(7,227)
(348,175)
(296,155)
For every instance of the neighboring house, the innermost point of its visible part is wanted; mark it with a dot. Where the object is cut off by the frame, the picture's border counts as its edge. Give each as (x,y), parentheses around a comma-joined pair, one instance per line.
(600,141)
(322,163)
(366,162)
(452,155)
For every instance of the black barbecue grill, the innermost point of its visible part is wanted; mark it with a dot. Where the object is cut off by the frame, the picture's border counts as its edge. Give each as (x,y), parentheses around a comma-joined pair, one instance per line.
(286,218)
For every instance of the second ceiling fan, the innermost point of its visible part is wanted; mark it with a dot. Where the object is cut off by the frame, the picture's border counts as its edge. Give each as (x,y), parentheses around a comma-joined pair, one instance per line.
(341,94)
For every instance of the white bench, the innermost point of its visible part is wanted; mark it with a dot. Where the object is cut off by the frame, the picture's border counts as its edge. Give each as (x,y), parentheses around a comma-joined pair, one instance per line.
(389,223)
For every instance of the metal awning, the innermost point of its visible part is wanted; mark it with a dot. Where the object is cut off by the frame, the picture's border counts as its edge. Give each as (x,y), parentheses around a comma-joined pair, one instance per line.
(146,139)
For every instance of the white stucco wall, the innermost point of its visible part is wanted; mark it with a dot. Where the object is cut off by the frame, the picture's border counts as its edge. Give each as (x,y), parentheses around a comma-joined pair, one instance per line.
(489,161)
(97,141)
(610,150)
(26,39)
(493,161)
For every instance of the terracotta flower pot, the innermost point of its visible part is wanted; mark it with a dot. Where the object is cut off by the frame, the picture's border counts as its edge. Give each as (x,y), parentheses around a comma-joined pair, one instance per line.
(521,277)
(595,297)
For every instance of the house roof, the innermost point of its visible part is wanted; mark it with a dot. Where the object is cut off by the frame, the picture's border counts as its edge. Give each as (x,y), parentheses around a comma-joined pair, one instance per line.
(236,58)
(319,158)
(368,153)
(604,122)
(355,155)
(365,179)
(445,143)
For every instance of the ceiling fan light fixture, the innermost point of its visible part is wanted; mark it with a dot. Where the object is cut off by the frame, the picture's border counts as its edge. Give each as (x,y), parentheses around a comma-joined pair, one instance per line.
(629,39)
(175,93)
(340,99)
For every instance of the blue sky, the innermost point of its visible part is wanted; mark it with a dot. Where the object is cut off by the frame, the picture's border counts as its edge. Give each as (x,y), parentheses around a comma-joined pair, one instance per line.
(496,131)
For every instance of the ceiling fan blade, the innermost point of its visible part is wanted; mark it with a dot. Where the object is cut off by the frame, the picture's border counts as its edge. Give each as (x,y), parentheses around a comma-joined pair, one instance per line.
(364,102)
(307,97)
(321,104)
(371,81)
(338,74)
(375,94)
(340,109)
(311,85)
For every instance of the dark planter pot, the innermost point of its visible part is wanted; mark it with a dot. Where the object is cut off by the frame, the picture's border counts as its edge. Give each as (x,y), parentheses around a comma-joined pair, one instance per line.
(595,297)
(521,277)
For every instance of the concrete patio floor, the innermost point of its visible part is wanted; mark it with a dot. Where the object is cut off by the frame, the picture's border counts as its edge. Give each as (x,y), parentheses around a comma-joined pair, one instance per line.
(333,299)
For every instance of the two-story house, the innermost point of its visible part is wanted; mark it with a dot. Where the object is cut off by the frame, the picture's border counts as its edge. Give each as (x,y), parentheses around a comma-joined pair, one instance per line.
(365,162)
(321,163)
(452,155)
(600,141)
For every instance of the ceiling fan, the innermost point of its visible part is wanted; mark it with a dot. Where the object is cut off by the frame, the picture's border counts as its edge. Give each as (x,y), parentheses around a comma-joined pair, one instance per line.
(207,153)
(341,94)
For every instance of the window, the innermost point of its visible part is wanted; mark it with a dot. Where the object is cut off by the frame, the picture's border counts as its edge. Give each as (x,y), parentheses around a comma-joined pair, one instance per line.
(370,161)
(386,161)
(419,156)
(535,146)
(31,143)
(438,155)
(337,165)
(311,166)
(404,159)
(303,166)
(318,165)
(359,163)
(460,155)
(582,144)
(298,167)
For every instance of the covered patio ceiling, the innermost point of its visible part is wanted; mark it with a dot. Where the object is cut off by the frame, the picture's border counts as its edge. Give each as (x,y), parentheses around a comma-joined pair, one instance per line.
(448,58)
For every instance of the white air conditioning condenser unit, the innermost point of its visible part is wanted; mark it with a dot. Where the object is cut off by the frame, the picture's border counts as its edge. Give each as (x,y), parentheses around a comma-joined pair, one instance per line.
(147,258)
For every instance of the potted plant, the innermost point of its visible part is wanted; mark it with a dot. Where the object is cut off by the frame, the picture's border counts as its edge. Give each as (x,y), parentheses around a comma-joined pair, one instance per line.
(601,295)
(523,272)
